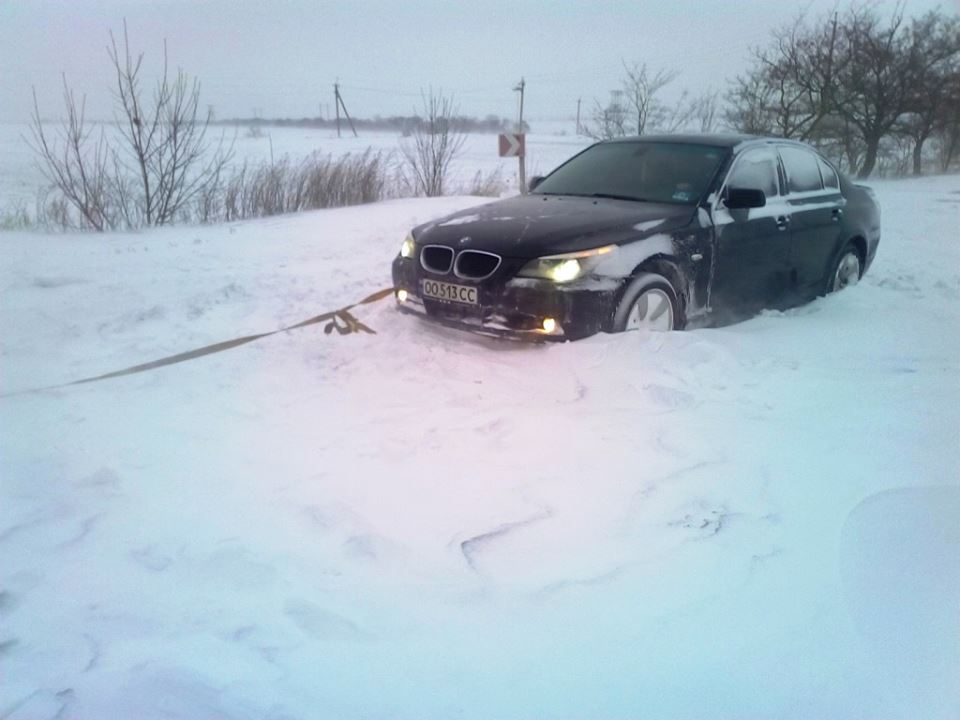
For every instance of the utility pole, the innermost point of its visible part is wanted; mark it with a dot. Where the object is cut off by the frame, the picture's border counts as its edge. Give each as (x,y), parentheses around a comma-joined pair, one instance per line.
(523,168)
(340,104)
(349,120)
(336,102)
(578,117)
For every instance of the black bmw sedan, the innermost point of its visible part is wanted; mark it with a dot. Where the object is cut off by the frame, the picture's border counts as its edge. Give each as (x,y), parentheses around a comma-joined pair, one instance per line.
(655,232)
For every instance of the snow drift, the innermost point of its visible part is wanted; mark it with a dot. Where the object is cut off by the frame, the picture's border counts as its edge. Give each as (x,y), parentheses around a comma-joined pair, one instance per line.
(754,521)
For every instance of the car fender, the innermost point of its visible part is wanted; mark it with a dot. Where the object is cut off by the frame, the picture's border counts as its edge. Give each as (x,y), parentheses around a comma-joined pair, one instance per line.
(683,257)
(860,243)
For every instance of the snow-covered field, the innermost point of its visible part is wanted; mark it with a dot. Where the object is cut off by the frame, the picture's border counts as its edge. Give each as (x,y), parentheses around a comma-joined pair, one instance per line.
(550,143)
(759,521)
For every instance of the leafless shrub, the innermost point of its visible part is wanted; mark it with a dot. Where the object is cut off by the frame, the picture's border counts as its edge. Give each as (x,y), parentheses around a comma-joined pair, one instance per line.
(317,181)
(434,144)
(16,217)
(165,142)
(76,165)
(489,184)
(54,211)
(152,170)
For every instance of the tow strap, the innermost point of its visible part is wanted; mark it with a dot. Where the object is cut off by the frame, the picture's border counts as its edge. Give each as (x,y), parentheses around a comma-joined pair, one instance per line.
(342,321)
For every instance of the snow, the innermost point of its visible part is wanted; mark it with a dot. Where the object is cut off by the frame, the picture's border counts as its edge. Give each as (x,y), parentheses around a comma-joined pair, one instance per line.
(647,225)
(752,521)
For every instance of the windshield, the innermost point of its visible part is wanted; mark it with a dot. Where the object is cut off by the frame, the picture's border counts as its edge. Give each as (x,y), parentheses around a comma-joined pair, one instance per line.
(653,171)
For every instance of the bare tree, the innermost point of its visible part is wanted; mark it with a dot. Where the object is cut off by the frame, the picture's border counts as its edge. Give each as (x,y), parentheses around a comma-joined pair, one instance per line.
(883,63)
(640,88)
(789,90)
(705,111)
(853,83)
(435,142)
(165,140)
(947,130)
(607,121)
(153,168)
(748,104)
(677,116)
(929,93)
(75,165)
(839,140)
(634,108)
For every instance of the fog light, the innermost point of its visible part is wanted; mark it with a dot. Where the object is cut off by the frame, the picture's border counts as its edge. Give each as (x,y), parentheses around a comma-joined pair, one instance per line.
(549,325)
(402,295)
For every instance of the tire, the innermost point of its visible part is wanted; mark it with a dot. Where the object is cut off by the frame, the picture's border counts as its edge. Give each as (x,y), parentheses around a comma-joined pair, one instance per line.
(847,271)
(648,302)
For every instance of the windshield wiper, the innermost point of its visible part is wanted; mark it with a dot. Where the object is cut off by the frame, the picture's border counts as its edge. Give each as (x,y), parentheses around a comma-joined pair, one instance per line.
(611,196)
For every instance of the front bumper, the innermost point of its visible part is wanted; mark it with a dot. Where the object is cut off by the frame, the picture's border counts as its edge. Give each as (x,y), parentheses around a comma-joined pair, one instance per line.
(514,308)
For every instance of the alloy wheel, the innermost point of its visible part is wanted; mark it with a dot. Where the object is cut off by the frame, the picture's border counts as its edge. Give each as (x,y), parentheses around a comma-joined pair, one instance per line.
(848,272)
(651,311)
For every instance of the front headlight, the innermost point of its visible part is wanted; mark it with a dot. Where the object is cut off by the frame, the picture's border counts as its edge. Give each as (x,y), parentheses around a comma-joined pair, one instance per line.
(408,246)
(566,267)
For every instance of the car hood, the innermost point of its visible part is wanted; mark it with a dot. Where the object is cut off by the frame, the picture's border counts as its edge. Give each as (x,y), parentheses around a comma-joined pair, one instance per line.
(530,226)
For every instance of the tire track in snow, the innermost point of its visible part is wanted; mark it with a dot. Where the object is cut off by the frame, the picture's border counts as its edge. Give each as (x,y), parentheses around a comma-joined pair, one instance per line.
(472,545)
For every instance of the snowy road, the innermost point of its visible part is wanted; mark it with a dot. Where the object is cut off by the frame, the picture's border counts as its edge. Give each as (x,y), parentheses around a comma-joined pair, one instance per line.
(748,522)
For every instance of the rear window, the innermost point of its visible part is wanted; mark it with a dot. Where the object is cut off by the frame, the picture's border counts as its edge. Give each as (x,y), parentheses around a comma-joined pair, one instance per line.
(803,171)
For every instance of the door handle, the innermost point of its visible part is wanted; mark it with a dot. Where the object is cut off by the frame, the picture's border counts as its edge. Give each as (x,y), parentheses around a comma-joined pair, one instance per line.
(783,222)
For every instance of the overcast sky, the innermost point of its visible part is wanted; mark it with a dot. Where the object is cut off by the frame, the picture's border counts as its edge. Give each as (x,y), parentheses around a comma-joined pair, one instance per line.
(281,57)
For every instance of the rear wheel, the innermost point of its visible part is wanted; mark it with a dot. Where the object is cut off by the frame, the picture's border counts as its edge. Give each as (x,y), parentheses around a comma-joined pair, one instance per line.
(649,303)
(848,269)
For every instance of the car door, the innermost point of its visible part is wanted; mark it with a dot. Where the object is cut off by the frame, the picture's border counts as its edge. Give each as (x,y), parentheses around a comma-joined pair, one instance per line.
(816,214)
(753,246)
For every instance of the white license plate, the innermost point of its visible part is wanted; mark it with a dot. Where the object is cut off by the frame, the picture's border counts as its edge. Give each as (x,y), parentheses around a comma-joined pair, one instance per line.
(449,292)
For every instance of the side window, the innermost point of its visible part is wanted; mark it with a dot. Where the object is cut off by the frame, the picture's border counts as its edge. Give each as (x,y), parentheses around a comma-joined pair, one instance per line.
(803,171)
(830,179)
(756,170)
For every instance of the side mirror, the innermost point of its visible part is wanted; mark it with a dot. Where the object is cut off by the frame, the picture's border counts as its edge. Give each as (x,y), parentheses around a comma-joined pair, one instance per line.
(743,198)
(534,181)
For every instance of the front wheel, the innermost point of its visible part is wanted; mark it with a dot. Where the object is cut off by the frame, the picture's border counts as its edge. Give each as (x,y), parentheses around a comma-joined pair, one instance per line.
(848,270)
(649,303)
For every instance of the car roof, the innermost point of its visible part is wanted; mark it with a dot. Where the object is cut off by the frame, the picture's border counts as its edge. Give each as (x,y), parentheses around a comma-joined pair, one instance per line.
(729,140)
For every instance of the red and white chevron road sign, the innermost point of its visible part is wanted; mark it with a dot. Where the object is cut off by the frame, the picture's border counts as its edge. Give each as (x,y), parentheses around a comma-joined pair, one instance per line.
(512,145)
